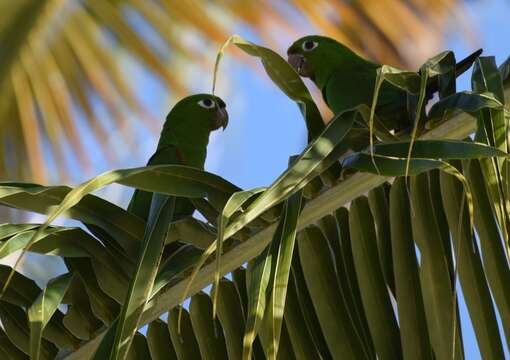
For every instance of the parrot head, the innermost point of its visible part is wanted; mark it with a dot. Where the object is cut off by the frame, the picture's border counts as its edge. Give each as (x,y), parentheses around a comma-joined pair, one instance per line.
(190,122)
(317,57)
(204,112)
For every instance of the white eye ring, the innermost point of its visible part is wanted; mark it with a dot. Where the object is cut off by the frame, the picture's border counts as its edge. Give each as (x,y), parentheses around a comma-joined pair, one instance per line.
(207,103)
(309,45)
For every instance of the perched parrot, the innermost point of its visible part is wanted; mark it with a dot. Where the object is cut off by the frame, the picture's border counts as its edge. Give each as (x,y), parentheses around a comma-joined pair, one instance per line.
(347,80)
(183,141)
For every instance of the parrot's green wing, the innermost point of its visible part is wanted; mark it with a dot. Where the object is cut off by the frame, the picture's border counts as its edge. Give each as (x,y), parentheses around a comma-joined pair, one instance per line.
(391,104)
(392,101)
(140,203)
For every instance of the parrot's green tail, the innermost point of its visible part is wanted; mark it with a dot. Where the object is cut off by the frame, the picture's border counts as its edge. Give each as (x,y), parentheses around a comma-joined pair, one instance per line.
(466,63)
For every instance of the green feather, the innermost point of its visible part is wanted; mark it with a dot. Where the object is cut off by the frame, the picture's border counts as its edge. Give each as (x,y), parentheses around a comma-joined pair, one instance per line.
(183,141)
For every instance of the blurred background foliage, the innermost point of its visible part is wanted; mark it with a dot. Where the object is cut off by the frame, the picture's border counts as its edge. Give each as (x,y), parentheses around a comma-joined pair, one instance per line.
(73,73)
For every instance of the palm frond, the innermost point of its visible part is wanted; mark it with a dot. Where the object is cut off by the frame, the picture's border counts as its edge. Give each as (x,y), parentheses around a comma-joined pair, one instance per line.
(347,259)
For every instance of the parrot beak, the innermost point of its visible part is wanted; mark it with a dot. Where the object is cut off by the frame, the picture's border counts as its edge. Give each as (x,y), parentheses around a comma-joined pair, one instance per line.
(220,118)
(298,62)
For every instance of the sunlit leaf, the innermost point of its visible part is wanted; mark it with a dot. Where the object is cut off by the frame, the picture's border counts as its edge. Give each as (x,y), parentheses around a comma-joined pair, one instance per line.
(43,308)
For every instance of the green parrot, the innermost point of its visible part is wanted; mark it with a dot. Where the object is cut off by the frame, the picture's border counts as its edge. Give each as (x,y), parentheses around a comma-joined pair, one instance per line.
(347,80)
(183,141)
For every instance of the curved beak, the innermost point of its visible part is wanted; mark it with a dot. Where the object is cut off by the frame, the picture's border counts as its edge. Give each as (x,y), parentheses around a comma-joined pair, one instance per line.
(220,118)
(298,62)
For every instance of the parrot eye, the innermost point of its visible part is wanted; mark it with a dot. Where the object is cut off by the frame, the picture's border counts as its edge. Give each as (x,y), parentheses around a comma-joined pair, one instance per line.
(309,45)
(207,103)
